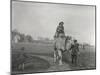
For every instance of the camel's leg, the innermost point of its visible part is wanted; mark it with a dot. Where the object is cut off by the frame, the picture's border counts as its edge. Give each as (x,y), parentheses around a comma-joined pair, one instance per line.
(55,57)
(19,67)
(23,66)
(60,57)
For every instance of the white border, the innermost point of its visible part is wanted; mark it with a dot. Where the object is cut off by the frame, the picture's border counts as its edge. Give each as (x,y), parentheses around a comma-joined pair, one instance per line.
(5,37)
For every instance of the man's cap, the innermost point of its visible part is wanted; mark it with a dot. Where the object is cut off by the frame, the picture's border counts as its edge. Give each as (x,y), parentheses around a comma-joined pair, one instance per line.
(75,40)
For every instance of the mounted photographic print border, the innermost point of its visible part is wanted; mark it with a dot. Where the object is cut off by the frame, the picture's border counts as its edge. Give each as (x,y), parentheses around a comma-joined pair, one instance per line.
(39,46)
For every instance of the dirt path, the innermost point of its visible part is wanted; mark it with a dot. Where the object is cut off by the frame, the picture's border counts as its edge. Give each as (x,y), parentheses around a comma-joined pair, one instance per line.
(55,67)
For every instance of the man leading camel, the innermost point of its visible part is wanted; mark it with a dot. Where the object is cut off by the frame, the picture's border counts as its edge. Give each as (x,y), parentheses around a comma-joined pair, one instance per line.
(74,51)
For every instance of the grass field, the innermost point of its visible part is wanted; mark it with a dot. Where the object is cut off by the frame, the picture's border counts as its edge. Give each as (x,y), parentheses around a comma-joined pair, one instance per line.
(40,58)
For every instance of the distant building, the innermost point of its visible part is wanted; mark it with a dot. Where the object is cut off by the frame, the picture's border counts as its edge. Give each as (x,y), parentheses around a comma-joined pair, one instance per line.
(20,37)
(15,37)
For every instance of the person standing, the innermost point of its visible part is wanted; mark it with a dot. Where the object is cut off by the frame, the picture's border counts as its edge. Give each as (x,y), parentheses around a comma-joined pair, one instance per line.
(74,51)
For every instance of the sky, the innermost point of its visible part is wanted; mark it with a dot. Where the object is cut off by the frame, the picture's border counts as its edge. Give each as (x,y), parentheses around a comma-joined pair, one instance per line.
(41,20)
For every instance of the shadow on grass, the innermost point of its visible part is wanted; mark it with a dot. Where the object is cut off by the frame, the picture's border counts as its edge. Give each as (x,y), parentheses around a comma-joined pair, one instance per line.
(33,64)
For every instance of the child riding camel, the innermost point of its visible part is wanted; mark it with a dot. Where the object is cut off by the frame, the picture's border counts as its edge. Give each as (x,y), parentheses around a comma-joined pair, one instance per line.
(60,29)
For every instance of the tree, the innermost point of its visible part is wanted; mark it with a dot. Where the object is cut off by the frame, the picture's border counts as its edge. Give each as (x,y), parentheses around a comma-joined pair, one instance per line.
(22,37)
(29,38)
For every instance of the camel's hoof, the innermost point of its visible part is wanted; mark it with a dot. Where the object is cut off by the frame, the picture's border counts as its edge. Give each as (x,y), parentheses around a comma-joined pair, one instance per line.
(60,64)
